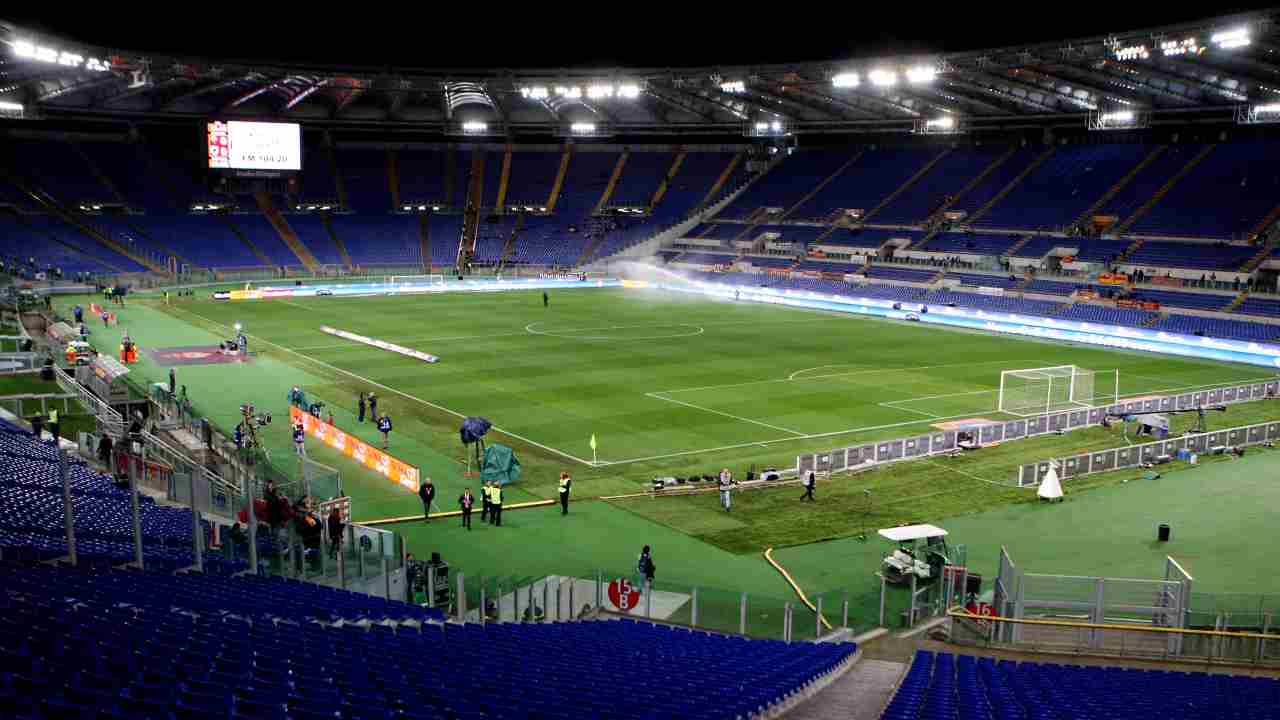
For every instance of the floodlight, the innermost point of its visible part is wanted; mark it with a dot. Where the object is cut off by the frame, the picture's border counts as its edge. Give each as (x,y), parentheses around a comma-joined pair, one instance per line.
(324,207)
(946,122)
(1185,46)
(406,208)
(775,126)
(422,207)
(582,127)
(921,74)
(474,126)
(630,91)
(1267,109)
(239,327)
(762,126)
(69,59)
(193,207)
(534,92)
(1229,39)
(10,106)
(596,92)
(845,80)
(435,207)
(733,86)
(1132,52)
(569,92)
(24,49)
(1120,116)
(883,78)
(542,209)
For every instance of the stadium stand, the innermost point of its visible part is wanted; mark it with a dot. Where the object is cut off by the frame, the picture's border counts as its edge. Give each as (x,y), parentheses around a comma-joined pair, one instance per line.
(1222,197)
(1266,307)
(1109,315)
(931,191)
(1145,184)
(1217,327)
(943,686)
(1191,255)
(864,184)
(1038,247)
(131,644)
(971,243)
(800,174)
(1064,186)
(993,184)
(1195,301)
(889,272)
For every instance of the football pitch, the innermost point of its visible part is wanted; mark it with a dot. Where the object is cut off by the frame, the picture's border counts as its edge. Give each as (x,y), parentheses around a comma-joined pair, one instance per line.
(676,385)
(668,381)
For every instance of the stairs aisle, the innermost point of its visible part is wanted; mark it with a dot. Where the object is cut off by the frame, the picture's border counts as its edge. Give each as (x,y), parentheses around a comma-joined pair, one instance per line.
(859,694)
(666,180)
(286,233)
(603,202)
(906,185)
(333,235)
(973,183)
(853,159)
(1164,189)
(720,181)
(559,183)
(977,215)
(1120,184)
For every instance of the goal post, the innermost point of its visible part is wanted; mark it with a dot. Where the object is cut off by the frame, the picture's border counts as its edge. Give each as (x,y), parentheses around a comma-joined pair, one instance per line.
(1035,391)
(415,279)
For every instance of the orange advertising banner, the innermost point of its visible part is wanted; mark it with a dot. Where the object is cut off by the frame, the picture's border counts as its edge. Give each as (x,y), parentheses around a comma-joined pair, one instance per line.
(353,447)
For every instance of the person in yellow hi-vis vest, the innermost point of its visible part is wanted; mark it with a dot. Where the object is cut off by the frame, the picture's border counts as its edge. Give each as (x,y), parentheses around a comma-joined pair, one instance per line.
(53,423)
(71,355)
(565,484)
(496,504)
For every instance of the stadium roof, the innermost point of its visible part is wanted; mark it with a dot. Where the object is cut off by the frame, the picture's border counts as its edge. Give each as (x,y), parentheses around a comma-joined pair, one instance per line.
(1206,70)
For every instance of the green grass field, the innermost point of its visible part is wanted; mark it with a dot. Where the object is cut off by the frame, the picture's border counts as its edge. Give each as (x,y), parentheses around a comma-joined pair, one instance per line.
(669,386)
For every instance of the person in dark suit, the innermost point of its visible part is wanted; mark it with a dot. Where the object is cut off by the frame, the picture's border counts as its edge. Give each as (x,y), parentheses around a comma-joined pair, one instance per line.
(546,299)
(466,501)
(565,483)
(810,482)
(427,492)
(336,528)
(360,408)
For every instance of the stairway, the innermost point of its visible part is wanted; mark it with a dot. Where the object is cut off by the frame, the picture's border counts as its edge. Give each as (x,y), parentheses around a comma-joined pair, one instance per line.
(503,180)
(510,248)
(338,186)
(1265,222)
(337,241)
(424,240)
(393,178)
(53,207)
(1012,184)
(137,231)
(471,213)
(603,202)
(101,177)
(1018,245)
(1133,248)
(971,185)
(1164,189)
(286,233)
(1236,302)
(1120,184)
(826,181)
(666,180)
(559,183)
(906,185)
(724,177)
(253,247)
(861,693)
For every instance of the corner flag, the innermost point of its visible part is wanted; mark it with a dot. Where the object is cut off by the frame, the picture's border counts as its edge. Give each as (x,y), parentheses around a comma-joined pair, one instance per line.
(593,449)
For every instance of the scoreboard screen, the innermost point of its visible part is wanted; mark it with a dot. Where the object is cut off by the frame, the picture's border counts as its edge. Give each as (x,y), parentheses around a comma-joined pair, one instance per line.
(241,145)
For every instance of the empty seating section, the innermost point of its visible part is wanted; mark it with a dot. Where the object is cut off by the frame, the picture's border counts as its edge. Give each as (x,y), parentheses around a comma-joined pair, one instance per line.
(58,169)
(972,243)
(127,644)
(776,263)
(942,686)
(695,178)
(1194,301)
(492,178)
(533,174)
(947,177)
(866,238)
(384,239)
(365,178)
(1097,249)
(584,184)
(993,303)
(720,231)
(204,240)
(979,280)
(547,241)
(992,184)
(311,231)
(1038,247)
(1223,328)
(1192,255)
(787,184)
(1108,315)
(702,258)
(890,272)
(125,166)
(422,176)
(30,236)
(640,178)
(492,239)
(1259,306)
(1234,187)
(1145,184)
(1064,186)
(828,266)
(263,234)
(1051,287)
(317,177)
(801,234)
(867,182)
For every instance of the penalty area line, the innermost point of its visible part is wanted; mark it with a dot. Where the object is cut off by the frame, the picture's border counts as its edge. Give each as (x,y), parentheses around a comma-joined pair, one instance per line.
(728,415)
(401,393)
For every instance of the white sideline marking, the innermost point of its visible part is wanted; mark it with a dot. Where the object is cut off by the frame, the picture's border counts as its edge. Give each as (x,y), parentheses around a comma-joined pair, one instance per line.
(401,393)
(793,375)
(931,416)
(728,415)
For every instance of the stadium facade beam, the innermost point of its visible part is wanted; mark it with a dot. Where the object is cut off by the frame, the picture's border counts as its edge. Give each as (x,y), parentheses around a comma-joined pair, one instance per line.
(678,103)
(746,99)
(828,112)
(1043,69)
(847,104)
(1195,73)
(60,89)
(1262,75)
(957,95)
(1010,98)
(1048,86)
(703,99)
(1048,101)
(909,93)
(206,87)
(1132,78)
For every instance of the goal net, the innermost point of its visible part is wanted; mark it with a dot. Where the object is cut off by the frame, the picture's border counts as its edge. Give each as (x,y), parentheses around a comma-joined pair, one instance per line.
(1034,391)
(416,279)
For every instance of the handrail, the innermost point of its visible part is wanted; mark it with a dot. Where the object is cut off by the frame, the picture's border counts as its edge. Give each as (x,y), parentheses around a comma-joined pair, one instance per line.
(966,615)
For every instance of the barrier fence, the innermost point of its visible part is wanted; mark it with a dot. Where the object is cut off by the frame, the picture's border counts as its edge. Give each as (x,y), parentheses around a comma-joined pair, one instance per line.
(1135,456)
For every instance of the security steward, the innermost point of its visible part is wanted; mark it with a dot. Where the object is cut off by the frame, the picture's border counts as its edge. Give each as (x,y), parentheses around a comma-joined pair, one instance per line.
(53,423)
(427,493)
(565,483)
(484,502)
(495,501)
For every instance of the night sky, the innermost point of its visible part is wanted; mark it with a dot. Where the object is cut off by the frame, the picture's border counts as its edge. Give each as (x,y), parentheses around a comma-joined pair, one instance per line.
(600,35)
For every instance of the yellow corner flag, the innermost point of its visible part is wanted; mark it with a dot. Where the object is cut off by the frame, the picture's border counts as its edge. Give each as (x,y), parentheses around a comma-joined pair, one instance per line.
(593,441)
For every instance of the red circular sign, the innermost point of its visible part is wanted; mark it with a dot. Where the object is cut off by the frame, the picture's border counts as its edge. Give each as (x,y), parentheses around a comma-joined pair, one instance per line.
(623,594)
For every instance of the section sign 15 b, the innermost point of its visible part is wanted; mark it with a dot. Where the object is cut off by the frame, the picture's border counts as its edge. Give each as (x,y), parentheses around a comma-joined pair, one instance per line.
(241,145)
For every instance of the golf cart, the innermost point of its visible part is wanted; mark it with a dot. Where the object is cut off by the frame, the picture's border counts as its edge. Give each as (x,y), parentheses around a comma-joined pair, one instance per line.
(922,552)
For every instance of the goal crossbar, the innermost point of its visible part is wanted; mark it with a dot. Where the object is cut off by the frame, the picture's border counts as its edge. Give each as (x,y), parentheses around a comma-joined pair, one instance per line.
(1035,391)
